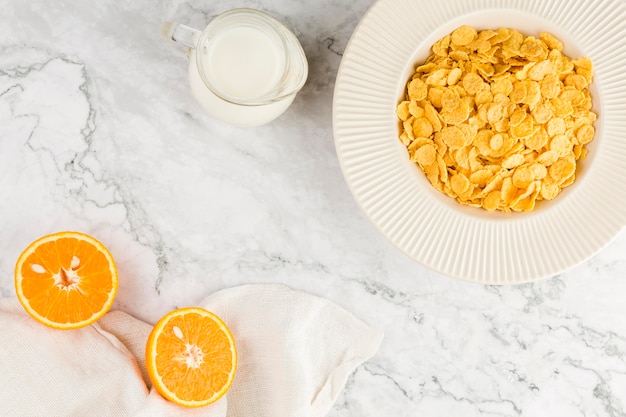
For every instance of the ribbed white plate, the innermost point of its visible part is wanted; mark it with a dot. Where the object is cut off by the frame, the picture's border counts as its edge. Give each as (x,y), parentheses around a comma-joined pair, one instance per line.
(465,242)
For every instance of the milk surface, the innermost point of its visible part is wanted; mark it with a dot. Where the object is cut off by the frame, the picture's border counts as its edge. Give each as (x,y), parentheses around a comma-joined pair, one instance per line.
(244,62)
(232,113)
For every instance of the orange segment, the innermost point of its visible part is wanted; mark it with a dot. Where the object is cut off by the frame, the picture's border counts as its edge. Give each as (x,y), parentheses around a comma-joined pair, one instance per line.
(66,280)
(191,357)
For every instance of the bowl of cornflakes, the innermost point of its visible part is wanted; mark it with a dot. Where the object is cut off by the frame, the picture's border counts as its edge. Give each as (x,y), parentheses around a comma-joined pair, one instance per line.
(482,140)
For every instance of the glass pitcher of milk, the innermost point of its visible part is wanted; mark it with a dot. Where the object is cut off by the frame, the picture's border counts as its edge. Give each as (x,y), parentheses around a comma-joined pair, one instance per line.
(245,67)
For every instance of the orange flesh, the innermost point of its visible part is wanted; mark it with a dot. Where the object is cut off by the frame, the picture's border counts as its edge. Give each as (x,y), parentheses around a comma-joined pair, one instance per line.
(67,280)
(173,354)
(191,357)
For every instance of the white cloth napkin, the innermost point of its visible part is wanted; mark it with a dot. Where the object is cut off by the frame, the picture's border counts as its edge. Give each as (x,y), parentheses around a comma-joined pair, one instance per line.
(295,350)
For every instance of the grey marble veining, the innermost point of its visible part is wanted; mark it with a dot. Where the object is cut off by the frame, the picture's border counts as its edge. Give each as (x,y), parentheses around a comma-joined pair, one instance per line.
(99,133)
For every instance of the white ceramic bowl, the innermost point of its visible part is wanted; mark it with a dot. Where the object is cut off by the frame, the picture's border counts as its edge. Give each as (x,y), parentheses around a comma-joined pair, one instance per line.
(456,240)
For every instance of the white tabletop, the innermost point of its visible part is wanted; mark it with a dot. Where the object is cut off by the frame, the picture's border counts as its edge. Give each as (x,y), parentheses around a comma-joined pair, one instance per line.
(99,133)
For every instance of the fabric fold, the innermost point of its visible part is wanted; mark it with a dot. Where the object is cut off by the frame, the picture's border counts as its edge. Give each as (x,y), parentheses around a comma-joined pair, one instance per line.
(295,352)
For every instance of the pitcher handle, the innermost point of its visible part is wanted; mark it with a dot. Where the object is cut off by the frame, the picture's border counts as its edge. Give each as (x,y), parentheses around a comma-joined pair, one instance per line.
(180,35)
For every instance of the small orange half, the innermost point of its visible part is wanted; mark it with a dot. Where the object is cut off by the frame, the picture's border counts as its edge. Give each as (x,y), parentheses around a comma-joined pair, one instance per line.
(66,280)
(191,357)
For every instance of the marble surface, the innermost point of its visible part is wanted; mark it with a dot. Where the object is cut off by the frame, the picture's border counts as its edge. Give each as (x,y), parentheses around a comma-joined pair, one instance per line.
(99,133)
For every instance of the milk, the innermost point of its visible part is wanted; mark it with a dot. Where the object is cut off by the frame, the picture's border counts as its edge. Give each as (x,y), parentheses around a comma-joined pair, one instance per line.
(233,113)
(244,62)
(245,67)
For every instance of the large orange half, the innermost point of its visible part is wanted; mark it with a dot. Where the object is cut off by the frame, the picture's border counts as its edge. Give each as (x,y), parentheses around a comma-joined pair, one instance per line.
(191,357)
(66,280)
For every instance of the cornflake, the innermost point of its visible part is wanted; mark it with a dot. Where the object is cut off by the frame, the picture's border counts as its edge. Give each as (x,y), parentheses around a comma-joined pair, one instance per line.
(498,120)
